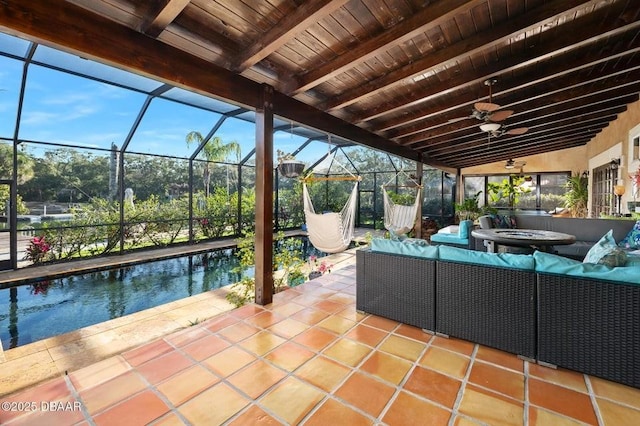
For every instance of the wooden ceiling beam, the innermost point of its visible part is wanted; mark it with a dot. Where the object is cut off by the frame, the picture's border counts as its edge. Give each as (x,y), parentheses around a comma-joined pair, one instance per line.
(485,145)
(284,31)
(161,13)
(300,112)
(581,34)
(525,150)
(431,16)
(599,102)
(553,113)
(483,41)
(530,97)
(92,36)
(193,22)
(503,152)
(545,129)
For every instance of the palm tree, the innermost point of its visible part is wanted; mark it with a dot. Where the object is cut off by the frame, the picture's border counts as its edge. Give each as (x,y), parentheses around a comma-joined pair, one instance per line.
(214,150)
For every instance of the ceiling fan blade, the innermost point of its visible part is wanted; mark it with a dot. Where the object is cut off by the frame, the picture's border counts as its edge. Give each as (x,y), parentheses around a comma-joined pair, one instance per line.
(500,115)
(518,131)
(486,106)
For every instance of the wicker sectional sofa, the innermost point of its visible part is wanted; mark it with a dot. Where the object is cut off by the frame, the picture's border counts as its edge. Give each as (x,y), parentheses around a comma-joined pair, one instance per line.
(580,317)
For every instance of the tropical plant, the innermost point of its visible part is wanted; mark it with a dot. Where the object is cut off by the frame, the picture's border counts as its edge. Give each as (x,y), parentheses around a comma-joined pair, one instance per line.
(243,291)
(469,208)
(287,267)
(288,262)
(402,199)
(509,189)
(577,195)
(37,250)
(214,150)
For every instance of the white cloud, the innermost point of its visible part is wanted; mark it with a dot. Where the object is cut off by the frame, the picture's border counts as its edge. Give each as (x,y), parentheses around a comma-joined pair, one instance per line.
(38,118)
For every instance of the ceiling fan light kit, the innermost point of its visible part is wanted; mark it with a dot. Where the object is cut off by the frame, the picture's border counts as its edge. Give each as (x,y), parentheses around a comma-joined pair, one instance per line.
(489,127)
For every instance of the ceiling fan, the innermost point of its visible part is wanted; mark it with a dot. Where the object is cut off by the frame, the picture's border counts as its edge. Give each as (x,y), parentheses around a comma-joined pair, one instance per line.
(512,164)
(491,115)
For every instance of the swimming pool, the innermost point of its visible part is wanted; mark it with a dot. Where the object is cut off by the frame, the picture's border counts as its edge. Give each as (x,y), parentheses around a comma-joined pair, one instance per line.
(35,311)
(47,308)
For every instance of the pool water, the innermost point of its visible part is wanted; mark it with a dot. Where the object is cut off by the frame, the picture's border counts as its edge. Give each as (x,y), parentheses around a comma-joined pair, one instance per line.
(47,308)
(33,312)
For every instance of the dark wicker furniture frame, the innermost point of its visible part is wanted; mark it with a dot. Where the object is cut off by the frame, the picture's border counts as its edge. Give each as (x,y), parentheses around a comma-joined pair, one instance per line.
(591,326)
(401,288)
(492,306)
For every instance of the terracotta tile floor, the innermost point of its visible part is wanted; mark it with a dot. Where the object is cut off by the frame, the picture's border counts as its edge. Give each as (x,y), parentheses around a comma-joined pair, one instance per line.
(310,358)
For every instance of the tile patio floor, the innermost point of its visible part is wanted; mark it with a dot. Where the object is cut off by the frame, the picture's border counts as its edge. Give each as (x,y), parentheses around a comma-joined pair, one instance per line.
(310,358)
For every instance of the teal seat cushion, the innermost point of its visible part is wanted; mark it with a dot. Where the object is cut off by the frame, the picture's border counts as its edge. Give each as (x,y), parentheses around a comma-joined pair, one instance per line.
(633,259)
(409,247)
(554,264)
(449,239)
(501,260)
(606,252)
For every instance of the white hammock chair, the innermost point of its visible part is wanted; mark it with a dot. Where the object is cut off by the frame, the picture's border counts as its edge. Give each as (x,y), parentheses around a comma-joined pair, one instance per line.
(400,219)
(330,232)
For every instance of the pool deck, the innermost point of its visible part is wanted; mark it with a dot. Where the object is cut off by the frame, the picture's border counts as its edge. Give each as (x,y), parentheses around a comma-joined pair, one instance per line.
(310,358)
(33,363)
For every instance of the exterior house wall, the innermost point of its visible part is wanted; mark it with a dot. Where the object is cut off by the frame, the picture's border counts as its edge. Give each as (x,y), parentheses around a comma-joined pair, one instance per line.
(615,142)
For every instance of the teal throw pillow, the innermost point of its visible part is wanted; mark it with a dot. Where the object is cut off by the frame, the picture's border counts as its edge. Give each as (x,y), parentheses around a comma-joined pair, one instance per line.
(632,239)
(503,221)
(606,252)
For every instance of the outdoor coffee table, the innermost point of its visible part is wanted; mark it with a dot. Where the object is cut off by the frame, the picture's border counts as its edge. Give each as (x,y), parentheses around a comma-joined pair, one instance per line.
(534,238)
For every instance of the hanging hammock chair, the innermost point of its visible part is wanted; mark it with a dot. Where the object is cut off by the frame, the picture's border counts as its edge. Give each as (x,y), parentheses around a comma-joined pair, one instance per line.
(330,232)
(400,219)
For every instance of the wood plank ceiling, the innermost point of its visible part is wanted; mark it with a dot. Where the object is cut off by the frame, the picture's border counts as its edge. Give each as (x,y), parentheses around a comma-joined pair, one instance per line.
(406,73)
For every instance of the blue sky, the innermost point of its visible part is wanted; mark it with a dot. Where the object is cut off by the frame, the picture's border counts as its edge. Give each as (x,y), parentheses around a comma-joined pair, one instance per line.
(68,109)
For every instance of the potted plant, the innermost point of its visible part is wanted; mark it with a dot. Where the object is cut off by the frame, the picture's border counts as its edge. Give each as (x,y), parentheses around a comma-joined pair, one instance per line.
(288,165)
(577,195)
(469,208)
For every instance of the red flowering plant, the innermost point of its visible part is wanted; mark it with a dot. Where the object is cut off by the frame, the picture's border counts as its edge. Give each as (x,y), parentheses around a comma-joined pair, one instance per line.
(320,268)
(37,250)
(40,287)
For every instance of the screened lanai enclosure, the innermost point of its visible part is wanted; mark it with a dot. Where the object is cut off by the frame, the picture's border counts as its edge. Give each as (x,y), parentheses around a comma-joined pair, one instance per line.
(99,160)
